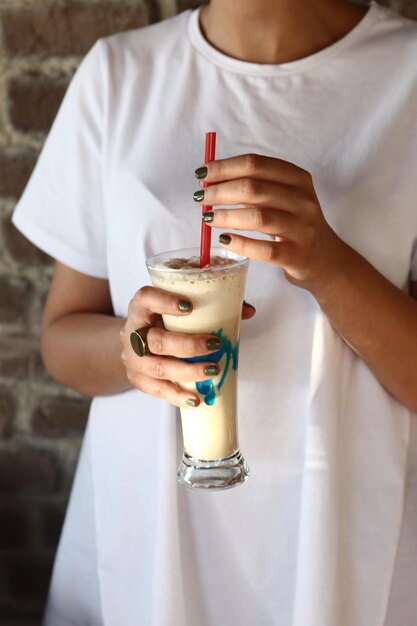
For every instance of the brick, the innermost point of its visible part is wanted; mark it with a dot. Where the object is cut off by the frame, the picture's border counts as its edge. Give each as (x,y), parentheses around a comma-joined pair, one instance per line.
(28,470)
(16,367)
(52,521)
(410,11)
(20,249)
(15,298)
(16,354)
(60,417)
(27,576)
(67,29)
(7,411)
(14,529)
(45,96)
(15,169)
(189,4)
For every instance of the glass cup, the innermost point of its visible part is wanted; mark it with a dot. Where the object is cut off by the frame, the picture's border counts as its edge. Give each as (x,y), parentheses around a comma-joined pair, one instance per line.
(211,458)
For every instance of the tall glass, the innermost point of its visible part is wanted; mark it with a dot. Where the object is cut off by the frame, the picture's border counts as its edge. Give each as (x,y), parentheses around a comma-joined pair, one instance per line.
(211,458)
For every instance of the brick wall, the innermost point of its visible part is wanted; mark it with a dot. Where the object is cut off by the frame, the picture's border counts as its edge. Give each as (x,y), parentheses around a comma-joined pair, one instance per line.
(41,423)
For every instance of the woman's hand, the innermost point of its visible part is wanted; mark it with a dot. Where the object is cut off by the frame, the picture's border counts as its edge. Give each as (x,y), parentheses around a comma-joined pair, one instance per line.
(280,201)
(154,373)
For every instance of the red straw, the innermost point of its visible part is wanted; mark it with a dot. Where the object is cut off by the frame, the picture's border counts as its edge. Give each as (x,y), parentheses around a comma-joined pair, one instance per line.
(210,155)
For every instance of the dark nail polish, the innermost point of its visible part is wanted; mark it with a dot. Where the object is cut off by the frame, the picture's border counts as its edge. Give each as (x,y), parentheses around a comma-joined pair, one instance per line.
(184,306)
(192,402)
(198,195)
(214,343)
(201,172)
(247,304)
(211,370)
(208,217)
(225,239)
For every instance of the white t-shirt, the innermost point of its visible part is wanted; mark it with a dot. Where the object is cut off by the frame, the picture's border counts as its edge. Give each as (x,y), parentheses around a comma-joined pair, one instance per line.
(324,531)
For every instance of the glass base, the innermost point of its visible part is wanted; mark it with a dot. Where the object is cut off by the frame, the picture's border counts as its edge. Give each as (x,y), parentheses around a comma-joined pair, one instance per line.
(220,474)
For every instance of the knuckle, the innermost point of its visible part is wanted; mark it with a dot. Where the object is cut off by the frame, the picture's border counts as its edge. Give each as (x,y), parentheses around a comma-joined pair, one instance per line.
(223,217)
(143,291)
(165,299)
(156,340)
(214,192)
(251,188)
(168,300)
(310,204)
(158,369)
(189,346)
(252,163)
(244,247)
(216,168)
(261,219)
(271,254)
(139,295)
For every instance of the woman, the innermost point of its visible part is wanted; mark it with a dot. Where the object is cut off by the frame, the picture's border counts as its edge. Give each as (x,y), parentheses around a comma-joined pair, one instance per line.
(313,104)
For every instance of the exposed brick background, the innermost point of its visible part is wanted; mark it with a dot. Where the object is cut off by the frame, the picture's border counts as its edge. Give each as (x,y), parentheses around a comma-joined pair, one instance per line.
(41,423)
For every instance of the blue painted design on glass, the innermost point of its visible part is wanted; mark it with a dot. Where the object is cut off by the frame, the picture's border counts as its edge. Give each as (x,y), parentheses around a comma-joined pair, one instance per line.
(207,388)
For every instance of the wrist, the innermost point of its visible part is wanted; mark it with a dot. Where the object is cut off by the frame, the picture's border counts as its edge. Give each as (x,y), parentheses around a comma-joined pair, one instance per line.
(325,271)
(334,270)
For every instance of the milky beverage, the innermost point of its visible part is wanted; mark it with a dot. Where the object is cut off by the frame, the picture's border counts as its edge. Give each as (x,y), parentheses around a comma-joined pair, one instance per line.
(216,292)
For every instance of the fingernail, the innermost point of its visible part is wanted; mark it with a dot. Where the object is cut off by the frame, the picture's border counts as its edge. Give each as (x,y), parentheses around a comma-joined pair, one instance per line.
(247,304)
(211,370)
(192,402)
(184,306)
(201,172)
(198,195)
(214,343)
(208,217)
(225,239)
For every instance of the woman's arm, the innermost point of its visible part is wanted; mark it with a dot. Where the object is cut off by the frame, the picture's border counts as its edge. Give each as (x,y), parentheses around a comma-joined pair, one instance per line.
(377,320)
(373,316)
(80,341)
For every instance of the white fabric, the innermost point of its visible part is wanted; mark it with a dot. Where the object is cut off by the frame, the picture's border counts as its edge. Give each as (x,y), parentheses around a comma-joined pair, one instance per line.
(324,531)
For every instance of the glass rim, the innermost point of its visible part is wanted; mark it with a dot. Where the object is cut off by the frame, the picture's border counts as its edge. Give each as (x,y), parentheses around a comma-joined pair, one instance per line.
(195,252)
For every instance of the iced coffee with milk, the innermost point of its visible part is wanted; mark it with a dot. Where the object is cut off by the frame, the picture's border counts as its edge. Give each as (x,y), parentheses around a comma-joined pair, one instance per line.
(212,458)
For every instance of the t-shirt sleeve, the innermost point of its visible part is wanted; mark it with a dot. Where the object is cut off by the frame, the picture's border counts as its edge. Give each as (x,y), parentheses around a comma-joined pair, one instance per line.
(61,209)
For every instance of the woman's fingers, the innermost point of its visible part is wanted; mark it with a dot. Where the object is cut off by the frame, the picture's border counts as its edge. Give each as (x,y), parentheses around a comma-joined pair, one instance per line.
(166,368)
(252,166)
(165,389)
(263,220)
(279,200)
(275,252)
(179,357)
(181,345)
(151,300)
(253,192)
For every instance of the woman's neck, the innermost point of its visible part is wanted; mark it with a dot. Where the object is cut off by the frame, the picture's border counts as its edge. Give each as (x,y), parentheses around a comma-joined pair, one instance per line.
(277,31)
